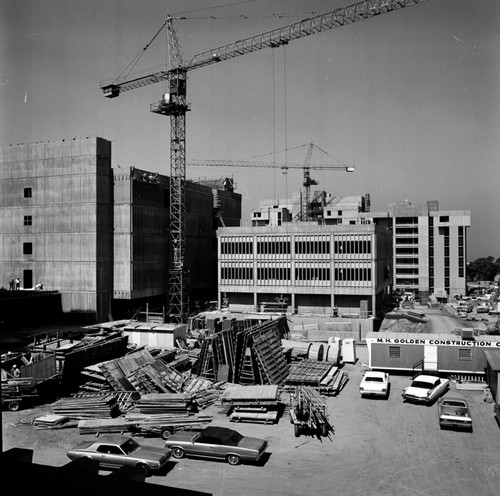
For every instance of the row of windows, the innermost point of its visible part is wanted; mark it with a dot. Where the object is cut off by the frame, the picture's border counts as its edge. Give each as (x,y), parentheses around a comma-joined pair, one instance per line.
(300,273)
(406,220)
(353,246)
(464,354)
(280,247)
(236,248)
(407,271)
(353,274)
(406,241)
(407,230)
(406,251)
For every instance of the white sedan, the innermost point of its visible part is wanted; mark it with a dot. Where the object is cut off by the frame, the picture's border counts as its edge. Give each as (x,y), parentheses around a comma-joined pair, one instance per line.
(426,388)
(374,383)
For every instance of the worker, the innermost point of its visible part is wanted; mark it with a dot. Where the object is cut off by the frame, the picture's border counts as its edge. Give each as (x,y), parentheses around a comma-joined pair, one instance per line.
(15,371)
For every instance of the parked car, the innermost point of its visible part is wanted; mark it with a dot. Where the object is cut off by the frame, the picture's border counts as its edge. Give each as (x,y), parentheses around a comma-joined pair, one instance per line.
(219,443)
(426,388)
(483,308)
(454,412)
(374,383)
(121,451)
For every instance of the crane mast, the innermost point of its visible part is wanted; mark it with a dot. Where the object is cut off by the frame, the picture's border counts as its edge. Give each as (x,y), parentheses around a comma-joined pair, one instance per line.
(174,105)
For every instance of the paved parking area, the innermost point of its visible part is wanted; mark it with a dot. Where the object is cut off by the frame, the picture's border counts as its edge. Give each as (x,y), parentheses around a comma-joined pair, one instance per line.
(378,447)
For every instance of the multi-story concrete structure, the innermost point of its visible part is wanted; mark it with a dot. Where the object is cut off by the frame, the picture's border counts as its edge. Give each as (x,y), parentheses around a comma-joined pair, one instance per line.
(101,236)
(429,246)
(56,220)
(308,267)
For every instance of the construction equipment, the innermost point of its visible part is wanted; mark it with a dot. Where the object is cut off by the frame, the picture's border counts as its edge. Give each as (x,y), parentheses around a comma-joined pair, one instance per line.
(307,166)
(174,104)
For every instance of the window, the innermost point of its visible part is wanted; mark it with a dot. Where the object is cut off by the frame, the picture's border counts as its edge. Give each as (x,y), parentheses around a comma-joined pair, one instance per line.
(465,354)
(27,248)
(28,220)
(27,192)
(394,351)
(444,218)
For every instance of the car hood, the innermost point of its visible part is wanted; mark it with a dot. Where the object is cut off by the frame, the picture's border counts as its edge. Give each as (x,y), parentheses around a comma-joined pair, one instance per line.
(151,453)
(252,443)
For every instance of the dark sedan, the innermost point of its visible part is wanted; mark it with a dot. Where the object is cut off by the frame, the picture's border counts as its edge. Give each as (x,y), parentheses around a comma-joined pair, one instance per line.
(121,451)
(217,443)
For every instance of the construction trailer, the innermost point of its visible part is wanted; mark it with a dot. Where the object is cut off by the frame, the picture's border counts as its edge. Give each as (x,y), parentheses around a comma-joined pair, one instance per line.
(459,354)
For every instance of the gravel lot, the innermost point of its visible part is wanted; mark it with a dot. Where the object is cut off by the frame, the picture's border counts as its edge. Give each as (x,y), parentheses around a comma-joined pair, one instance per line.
(378,447)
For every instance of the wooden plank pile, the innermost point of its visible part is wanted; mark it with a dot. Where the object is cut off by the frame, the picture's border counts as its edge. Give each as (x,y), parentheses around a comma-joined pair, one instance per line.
(53,422)
(327,378)
(257,404)
(87,407)
(245,353)
(136,423)
(161,403)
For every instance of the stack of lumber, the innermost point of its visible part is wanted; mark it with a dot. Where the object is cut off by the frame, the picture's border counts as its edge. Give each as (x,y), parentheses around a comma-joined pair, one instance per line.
(137,423)
(307,373)
(333,382)
(161,403)
(257,404)
(105,426)
(126,400)
(87,407)
(53,422)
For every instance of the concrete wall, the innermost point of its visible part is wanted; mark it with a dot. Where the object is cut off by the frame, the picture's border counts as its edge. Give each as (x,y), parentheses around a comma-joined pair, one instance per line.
(71,225)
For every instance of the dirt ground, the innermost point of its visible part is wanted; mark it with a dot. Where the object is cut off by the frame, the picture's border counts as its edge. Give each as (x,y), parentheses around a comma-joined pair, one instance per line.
(378,447)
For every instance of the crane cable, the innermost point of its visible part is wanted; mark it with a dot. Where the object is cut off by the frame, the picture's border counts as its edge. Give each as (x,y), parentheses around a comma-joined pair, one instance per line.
(124,74)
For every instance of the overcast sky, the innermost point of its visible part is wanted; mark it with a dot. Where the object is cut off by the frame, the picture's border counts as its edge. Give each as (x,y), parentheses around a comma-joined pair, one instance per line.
(409,98)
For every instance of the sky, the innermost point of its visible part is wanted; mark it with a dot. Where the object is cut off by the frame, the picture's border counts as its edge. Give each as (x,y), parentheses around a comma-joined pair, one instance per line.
(410,98)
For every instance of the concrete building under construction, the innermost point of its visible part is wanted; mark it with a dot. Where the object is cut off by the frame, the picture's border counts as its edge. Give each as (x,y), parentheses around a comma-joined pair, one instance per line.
(100,236)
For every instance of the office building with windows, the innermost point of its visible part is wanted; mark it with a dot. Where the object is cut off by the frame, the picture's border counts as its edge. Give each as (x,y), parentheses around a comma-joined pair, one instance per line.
(305,267)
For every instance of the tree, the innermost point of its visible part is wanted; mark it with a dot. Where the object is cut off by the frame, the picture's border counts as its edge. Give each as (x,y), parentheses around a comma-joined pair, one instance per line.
(483,269)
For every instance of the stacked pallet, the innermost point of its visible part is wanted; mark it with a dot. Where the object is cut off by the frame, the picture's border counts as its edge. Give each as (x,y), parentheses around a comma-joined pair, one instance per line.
(257,404)
(87,407)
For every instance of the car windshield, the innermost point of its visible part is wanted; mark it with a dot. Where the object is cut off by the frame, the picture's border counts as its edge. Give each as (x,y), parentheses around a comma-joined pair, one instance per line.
(129,446)
(421,384)
(374,379)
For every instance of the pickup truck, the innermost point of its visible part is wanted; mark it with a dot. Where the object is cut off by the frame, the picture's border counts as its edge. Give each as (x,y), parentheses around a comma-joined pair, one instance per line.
(454,413)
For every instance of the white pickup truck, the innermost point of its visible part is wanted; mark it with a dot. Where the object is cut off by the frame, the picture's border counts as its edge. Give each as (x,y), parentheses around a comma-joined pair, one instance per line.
(454,412)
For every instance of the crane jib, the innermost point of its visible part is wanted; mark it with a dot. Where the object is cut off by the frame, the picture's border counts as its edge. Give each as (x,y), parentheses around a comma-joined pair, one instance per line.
(271,39)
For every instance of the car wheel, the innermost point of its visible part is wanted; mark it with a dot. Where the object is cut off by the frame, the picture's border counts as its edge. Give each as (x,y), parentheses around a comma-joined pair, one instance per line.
(143,468)
(177,452)
(233,459)
(14,406)
(166,433)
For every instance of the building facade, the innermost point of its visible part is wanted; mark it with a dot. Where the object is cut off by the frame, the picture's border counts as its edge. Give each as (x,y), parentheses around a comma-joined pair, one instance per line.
(429,246)
(56,220)
(100,236)
(305,267)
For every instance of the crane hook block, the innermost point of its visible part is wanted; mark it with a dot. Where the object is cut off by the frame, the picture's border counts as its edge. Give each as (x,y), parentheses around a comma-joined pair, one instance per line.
(111,90)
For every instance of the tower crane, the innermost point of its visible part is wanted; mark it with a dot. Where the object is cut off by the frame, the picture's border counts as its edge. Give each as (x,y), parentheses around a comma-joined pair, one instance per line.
(174,104)
(307,166)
